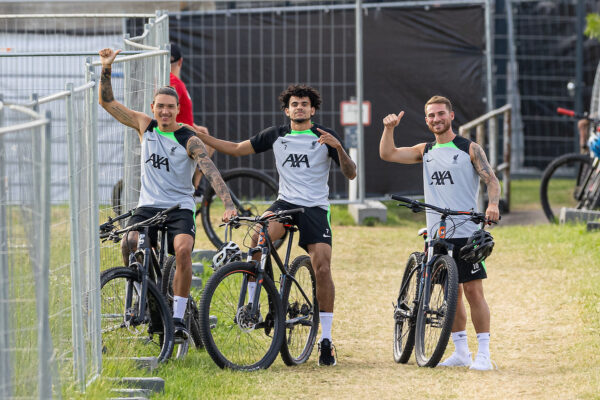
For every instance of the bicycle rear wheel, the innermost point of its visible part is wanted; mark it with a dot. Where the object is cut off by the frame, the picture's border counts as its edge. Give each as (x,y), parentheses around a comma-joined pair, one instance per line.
(122,335)
(405,312)
(563,183)
(302,314)
(168,274)
(252,193)
(435,325)
(238,340)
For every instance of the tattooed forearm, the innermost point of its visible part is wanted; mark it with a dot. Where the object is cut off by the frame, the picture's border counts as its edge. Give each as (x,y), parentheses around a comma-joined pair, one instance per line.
(486,173)
(106,91)
(346,164)
(198,152)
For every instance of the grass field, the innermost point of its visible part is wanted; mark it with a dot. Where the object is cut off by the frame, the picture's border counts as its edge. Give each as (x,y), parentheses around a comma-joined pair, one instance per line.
(544,295)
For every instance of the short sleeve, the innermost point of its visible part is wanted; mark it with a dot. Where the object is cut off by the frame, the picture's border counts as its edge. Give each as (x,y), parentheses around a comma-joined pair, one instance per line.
(264,140)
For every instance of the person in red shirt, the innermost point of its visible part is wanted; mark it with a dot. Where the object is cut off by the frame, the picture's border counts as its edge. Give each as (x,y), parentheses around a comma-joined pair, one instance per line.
(186,114)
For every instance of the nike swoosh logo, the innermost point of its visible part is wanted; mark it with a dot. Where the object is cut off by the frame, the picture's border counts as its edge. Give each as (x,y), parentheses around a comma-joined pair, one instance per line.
(428,160)
(151,140)
(474,271)
(326,236)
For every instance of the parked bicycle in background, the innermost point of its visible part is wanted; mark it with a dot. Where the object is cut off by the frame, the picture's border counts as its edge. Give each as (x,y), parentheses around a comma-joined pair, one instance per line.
(573,180)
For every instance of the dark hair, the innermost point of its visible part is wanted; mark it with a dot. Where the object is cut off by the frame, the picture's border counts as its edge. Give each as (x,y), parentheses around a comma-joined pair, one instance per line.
(300,91)
(175,53)
(168,90)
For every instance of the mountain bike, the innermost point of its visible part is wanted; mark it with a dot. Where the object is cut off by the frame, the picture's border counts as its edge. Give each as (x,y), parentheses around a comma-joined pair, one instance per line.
(252,193)
(572,180)
(136,319)
(254,325)
(426,304)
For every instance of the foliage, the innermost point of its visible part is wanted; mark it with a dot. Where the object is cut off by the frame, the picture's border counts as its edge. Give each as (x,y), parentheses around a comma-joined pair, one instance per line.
(592,29)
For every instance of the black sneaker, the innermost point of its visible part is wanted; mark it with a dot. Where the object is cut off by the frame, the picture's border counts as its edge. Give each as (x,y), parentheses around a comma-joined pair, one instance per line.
(326,353)
(181,331)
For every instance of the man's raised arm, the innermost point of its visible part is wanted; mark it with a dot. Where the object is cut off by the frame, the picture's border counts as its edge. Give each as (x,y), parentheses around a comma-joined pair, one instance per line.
(133,119)
(387,148)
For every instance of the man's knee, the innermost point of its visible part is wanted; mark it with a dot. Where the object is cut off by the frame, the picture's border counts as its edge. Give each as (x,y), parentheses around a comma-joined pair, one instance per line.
(473,291)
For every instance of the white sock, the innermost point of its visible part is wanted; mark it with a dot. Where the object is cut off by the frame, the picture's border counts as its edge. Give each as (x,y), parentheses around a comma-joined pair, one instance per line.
(251,289)
(326,322)
(483,339)
(179,305)
(461,345)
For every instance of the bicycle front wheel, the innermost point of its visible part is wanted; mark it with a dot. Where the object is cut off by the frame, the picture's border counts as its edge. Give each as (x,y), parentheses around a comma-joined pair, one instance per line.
(252,193)
(405,312)
(434,325)
(302,312)
(563,183)
(123,333)
(232,336)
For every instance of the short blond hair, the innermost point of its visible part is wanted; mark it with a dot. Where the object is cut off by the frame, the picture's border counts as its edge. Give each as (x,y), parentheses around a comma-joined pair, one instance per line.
(439,100)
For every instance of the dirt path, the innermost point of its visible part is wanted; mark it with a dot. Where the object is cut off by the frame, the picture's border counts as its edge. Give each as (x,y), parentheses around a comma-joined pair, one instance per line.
(535,329)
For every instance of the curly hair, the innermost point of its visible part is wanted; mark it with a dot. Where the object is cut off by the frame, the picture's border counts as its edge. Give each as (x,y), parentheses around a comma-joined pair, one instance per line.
(300,91)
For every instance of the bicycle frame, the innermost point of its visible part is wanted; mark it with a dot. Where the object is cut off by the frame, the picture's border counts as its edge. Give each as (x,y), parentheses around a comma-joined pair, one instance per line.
(268,253)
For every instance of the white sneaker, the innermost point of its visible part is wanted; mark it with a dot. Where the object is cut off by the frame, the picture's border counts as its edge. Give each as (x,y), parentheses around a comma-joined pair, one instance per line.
(457,360)
(483,363)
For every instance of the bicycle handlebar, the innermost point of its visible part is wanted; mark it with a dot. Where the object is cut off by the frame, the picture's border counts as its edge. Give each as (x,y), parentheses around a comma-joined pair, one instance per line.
(417,206)
(278,215)
(573,114)
(108,232)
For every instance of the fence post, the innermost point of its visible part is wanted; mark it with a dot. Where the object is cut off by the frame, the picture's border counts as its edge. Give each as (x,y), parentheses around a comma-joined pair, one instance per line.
(93,262)
(79,361)
(507,156)
(6,376)
(42,295)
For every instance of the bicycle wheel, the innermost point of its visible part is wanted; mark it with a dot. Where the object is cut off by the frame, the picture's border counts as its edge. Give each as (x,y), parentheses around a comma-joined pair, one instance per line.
(302,314)
(238,340)
(252,193)
(405,312)
(435,325)
(563,183)
(166,288)
(122,336)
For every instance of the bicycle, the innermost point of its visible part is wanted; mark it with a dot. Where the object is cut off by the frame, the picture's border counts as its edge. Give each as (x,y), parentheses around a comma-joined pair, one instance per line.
(571,180)
(252,193)
(251,329)
(426,304)
(136,318)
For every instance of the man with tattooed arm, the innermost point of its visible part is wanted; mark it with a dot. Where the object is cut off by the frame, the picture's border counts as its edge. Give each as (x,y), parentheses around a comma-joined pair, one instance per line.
(170,153)
(452,167)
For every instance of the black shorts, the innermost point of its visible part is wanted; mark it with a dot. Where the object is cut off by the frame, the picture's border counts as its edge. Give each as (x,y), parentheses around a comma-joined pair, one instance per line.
(178,221)
(314,224)
(466,271)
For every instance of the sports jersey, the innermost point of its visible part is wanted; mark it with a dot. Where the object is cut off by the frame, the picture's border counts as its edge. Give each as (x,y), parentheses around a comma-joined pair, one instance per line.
(167,169)
(186,114)
(302,163)
(450,181)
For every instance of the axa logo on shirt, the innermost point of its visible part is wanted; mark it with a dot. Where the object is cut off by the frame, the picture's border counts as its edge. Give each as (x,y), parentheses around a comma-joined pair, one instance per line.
(440,177)
(295,160)
(158,160)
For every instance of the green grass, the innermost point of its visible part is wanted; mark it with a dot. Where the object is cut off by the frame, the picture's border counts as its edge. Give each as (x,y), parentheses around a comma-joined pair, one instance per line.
(543,281)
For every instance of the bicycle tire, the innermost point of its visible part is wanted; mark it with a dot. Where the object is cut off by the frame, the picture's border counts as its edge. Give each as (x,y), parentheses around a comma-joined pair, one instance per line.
(553,187)
(229,343)
(255,192)
(433,330)
(166,288)
(302,320)
(405,312)
(151,338)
